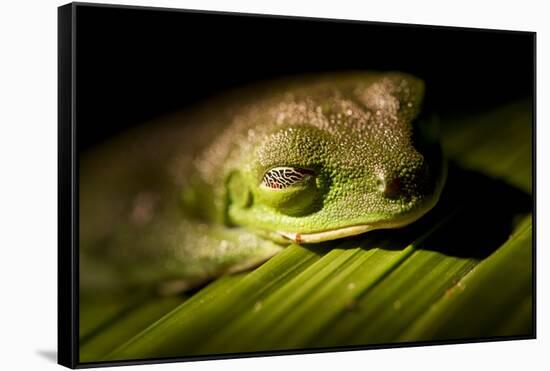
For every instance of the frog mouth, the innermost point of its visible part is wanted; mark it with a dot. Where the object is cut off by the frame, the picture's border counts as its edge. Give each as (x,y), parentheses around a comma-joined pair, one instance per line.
(334,234)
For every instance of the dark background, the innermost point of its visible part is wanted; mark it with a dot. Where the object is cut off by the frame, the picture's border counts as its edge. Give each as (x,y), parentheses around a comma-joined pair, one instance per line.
(134,64)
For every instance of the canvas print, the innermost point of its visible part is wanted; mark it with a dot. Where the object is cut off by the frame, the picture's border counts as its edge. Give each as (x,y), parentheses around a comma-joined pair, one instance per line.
(253,184)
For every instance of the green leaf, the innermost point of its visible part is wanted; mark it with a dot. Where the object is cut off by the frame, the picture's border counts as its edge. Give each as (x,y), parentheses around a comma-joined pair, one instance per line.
(134,320)
(491,298)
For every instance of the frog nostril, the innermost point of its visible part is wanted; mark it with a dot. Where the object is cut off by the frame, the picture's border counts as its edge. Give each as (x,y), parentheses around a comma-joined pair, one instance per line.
(389,186)
(392,188)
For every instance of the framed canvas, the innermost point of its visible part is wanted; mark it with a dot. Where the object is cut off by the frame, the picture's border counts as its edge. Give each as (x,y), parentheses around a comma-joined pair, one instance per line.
(237,185)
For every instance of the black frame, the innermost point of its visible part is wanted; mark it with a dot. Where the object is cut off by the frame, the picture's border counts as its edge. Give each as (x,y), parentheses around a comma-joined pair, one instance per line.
(67,262)
(68,208)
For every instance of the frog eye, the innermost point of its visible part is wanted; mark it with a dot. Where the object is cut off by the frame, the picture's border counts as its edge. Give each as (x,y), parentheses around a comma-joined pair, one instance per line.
(284,177)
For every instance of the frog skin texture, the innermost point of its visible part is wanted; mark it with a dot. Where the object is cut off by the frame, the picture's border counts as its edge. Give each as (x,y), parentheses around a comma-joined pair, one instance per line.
(223,187)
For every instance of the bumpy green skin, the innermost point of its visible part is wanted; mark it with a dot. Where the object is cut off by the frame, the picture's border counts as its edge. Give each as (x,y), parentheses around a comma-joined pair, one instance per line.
(169,201)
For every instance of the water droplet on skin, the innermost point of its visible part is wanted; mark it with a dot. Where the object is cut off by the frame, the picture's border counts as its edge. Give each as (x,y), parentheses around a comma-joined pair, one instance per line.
(143,208)
(224,245)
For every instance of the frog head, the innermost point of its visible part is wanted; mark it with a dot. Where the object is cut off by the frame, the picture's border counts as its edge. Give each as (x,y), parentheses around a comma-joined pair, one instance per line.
(335,159)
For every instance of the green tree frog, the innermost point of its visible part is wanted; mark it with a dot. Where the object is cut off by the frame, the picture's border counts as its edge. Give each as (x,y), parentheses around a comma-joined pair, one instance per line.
(224,187)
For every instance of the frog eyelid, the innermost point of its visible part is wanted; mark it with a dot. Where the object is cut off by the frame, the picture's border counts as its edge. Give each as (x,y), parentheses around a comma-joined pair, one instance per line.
(282,177)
